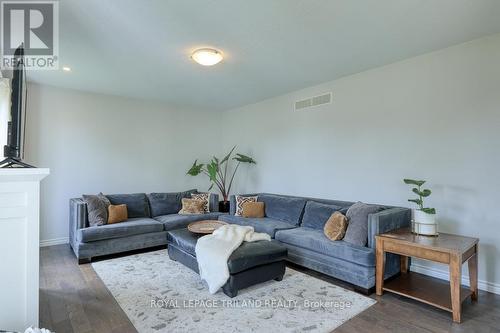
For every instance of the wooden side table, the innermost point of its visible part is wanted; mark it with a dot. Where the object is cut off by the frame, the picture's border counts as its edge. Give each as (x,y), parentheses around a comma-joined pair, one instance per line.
(447,249)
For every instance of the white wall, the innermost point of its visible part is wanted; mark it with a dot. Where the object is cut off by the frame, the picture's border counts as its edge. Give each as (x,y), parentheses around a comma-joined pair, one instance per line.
(435,117)
(94,143)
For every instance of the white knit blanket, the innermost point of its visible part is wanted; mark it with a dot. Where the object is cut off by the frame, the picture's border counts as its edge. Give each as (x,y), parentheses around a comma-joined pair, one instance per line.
(213,251)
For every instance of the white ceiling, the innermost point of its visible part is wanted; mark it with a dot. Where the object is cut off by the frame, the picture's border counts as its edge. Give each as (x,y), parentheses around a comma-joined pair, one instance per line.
(141,48)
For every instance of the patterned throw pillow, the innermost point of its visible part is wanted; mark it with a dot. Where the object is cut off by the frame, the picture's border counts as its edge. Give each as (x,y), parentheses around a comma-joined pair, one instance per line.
(97,209)
(192,206)
(336,226)
(240,200)
(205,197)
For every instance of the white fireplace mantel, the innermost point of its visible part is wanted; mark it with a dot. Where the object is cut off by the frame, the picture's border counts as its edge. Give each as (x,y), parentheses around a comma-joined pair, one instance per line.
(19,247)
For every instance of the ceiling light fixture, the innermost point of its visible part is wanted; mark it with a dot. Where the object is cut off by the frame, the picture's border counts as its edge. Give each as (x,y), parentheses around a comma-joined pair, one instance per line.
(66,69)
(207,57)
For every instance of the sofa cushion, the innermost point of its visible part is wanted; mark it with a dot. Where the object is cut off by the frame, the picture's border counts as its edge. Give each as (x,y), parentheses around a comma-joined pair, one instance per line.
(164,203)
(266,224)
(287,209)
(315,240)
(133,226)
(137,203)
(357,230)
(316,214)
(177,221)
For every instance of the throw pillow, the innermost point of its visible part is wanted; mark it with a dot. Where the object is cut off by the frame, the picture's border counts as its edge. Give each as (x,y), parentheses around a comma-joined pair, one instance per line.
(357,231)
(192,206)
(336,226)
(205,197)
(117,213)
(253,209)
(240,200)
(97,209)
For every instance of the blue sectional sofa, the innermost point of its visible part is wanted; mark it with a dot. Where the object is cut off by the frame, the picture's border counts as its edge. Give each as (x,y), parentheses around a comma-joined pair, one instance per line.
(297,222)
(150,217)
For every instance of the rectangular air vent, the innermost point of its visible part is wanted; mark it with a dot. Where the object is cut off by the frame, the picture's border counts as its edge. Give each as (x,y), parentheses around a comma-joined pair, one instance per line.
(313,101)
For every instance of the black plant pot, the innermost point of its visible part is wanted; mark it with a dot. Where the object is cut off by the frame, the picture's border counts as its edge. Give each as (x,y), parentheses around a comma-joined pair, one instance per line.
(224,206)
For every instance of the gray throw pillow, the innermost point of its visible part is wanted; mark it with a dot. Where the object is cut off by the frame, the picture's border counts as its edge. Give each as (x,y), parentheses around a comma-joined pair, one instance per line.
(97,209)
(357,230)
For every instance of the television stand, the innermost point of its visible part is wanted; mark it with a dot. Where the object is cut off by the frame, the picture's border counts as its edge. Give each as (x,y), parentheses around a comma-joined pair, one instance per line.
(12,162)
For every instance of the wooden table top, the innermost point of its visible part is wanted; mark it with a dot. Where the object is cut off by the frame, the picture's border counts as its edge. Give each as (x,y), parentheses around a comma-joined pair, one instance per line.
(205,226)
(444,242)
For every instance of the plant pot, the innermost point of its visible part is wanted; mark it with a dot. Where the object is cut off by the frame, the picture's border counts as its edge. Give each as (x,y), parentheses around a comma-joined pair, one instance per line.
(224,206)
(424,223)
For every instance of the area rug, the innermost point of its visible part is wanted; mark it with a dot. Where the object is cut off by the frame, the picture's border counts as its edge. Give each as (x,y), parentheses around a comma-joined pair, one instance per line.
(161,295)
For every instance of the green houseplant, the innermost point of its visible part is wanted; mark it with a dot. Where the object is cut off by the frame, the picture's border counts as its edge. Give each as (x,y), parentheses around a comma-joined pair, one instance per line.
(424,218)
(218,172)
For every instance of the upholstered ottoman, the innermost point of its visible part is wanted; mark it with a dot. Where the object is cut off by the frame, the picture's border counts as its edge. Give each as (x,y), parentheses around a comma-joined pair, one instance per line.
(249,264)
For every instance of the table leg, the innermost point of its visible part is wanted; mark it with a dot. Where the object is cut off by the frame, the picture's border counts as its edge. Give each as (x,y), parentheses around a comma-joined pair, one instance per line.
(455,285)
(380,266)
(472,263)
(404,264)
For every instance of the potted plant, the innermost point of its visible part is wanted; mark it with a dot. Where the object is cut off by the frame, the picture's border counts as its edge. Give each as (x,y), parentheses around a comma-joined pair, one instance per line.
(424,218)
(217,172)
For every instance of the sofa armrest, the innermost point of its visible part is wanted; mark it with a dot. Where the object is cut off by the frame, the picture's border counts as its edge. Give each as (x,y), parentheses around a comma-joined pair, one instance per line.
(213,202)
(387,220)
(78,218)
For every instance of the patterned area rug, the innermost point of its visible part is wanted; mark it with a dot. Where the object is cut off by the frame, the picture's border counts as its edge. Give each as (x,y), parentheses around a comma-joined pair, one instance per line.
(161,295)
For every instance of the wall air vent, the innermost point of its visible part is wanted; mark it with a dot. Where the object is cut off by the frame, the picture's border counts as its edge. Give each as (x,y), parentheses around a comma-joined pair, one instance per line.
(313,101)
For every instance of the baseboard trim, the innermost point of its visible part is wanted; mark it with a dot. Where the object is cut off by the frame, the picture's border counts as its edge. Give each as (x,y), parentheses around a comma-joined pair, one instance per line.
(54,241)
(444,275)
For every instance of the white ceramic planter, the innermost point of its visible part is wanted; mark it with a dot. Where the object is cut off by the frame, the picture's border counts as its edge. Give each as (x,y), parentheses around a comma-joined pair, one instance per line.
(424,224)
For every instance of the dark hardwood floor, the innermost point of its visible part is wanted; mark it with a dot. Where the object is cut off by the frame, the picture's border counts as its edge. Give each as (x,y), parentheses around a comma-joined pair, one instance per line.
(74,299)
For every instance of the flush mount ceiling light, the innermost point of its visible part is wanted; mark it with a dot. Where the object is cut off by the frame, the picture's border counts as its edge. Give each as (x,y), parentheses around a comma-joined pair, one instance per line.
(66,69)
(207,57)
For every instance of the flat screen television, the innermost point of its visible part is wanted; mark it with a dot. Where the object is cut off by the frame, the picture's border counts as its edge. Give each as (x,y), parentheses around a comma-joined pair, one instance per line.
(14,150)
